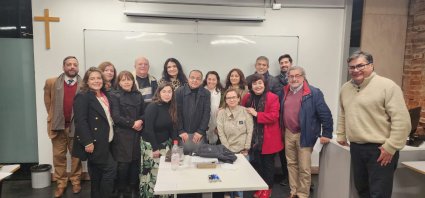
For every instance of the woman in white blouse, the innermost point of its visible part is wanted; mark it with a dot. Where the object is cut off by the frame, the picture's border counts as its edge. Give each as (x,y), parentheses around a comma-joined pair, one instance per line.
(212,83)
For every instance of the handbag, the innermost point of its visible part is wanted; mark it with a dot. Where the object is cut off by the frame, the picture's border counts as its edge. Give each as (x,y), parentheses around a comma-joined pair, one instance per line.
(216,151)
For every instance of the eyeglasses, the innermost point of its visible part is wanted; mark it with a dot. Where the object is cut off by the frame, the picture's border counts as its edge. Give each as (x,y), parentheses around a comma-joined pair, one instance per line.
(295,76)
(232,98)
(359,67)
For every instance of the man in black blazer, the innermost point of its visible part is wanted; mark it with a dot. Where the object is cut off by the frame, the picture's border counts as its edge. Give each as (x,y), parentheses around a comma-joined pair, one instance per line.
(193,109)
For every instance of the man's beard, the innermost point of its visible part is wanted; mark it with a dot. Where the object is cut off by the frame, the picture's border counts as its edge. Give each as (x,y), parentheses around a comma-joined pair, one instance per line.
(71,75)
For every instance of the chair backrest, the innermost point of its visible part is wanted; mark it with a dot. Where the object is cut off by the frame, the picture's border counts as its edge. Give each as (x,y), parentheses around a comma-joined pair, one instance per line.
(415,115)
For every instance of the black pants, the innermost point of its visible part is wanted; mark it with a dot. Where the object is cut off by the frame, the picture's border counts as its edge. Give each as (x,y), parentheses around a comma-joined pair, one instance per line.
(102,175)
(370,178)
(128,175)
(284,163)
(264,165)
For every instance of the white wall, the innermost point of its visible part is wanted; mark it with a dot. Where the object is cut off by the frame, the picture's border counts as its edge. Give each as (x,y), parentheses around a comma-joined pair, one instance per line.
(321,32)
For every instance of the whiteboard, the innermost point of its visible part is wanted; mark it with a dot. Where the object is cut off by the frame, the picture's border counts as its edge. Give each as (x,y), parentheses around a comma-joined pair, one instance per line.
(204,52)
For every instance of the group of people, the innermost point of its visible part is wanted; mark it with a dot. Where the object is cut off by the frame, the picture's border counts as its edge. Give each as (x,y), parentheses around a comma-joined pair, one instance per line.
(122,123)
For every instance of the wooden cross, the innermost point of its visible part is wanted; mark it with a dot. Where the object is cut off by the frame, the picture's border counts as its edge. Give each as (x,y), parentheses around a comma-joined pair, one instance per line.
(46,20)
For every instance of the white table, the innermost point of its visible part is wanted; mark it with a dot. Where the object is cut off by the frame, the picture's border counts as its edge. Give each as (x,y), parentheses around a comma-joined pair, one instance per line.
(240,176)
(418,166)
(336,177)
(6,171)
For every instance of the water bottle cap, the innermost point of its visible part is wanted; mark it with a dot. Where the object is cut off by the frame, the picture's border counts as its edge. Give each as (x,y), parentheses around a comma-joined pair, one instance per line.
(175,142)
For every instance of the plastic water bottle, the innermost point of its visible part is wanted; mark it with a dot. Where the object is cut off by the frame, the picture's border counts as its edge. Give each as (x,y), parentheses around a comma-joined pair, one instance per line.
(175,156)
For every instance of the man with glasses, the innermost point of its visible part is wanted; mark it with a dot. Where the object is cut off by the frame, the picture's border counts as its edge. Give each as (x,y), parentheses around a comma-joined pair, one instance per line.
(374,118)
(304,117)
(193,112)
(145,83)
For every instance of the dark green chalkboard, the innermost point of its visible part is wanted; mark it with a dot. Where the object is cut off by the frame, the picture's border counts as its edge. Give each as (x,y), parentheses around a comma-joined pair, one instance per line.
(18,128)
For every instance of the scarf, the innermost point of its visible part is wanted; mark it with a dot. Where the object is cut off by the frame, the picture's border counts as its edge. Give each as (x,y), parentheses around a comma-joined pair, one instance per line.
(258,133)
(58,120)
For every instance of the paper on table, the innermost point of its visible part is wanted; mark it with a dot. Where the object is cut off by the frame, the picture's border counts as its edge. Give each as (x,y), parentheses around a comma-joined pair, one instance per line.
(197,159)
(318,146)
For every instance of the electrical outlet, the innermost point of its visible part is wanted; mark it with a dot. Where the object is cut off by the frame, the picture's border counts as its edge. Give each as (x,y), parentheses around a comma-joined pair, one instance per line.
(276,6)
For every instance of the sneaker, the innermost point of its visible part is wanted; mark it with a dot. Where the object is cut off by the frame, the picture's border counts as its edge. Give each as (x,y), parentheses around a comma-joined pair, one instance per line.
(266,193)
(257,194)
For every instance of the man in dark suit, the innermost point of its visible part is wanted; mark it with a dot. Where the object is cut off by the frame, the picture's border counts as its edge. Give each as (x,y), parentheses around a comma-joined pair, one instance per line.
(59,94)
(285,62)
(262,67)
(193,109)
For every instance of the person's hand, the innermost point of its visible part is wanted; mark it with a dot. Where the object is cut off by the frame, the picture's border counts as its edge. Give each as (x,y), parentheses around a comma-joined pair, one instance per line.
(89,148)
(245,152)
(108,85)
(251,111)
(138,125)
(385,157)
(156,154)
(343,143)
(196,137)
(324,140)
(184,136)
(216,131)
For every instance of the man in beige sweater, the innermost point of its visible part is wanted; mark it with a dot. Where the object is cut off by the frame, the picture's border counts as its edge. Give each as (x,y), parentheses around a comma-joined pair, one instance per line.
(374,118)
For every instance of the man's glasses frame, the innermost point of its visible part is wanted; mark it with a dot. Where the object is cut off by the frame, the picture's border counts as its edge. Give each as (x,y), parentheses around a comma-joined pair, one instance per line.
(297,76)
(359,67)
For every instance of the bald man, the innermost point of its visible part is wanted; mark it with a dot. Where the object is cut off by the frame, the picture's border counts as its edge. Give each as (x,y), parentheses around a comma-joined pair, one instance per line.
(145,83)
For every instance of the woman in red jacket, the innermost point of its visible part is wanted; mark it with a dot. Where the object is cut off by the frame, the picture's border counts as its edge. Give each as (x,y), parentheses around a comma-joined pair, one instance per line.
(267,138)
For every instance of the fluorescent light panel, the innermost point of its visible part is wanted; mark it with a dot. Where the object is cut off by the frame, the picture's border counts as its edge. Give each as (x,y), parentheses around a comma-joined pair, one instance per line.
(177,15)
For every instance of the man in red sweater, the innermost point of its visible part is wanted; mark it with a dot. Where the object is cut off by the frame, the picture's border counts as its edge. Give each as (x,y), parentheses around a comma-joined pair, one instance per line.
(59,95)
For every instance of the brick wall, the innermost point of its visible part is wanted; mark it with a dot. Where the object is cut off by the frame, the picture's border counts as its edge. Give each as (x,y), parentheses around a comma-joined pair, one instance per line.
(414,59)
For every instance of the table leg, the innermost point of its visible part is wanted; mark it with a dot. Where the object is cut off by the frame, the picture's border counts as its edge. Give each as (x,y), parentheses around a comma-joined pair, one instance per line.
(1,185)
(175,196)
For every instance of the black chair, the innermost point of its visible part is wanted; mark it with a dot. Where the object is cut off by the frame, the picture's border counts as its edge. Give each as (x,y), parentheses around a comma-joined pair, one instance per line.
(414,139)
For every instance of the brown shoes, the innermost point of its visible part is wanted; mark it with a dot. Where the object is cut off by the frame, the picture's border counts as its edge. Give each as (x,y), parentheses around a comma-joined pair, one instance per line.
(59,192)
(76,188)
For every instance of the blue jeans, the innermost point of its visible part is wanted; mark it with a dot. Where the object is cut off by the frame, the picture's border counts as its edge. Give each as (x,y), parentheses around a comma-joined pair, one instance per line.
(238,193)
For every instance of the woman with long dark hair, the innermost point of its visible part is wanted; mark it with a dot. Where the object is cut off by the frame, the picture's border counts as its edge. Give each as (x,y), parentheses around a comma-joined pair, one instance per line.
(212,83)
(266,138)
(236,79)
(173,73)
(109,73)
(160,130)
(94,132)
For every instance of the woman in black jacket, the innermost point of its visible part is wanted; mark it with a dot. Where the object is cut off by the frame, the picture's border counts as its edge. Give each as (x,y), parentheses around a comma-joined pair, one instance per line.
(94,132)
(127,112)
(160,129)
